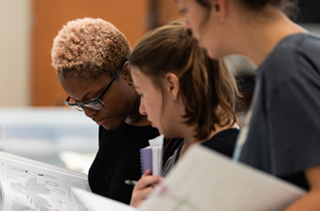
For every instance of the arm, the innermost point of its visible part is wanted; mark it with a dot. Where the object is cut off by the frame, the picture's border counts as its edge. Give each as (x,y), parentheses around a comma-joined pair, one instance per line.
(143,188)
(310,201)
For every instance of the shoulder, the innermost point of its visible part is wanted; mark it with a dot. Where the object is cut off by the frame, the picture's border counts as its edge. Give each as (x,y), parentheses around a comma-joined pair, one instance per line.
(128,135)
(223,142)
(293,47)
(297,43)
(293,59)
(126,129)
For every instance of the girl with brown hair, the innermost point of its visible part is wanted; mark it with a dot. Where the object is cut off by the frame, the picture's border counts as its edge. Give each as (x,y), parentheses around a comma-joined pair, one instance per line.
(184,94)
(282,136)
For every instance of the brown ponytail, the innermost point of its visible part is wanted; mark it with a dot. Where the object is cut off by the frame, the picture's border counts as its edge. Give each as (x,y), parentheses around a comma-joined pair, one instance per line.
(206,85)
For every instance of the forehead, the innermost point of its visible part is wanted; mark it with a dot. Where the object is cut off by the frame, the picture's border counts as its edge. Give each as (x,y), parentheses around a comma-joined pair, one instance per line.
(74,80)
(141,81)
(139,77)
(77,88)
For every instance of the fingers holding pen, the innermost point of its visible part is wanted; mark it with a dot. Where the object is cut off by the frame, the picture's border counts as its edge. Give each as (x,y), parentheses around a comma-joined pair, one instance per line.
(139,196)
(143,188)
(147,181)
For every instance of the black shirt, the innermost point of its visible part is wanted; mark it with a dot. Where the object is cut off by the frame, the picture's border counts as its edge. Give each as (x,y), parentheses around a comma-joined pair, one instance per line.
(118,159)
(222,142)
(283,137)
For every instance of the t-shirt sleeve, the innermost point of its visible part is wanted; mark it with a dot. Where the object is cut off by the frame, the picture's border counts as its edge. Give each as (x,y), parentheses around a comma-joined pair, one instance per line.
(294,122)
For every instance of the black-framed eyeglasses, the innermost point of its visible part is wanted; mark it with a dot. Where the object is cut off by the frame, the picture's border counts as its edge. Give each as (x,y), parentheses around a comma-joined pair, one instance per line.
(95,104)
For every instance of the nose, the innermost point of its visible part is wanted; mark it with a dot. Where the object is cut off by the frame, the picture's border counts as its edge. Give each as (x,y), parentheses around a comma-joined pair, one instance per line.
(142,109)
(89,112)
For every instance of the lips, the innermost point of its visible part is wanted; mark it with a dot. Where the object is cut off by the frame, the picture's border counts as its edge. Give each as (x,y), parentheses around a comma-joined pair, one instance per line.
(100,122)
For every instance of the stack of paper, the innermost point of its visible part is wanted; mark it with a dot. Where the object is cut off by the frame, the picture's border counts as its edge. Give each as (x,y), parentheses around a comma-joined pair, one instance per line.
(151,156)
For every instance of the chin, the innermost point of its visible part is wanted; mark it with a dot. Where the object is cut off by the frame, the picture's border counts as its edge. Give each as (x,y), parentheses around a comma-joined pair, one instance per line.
(210,53)
(213,55)
(112,125)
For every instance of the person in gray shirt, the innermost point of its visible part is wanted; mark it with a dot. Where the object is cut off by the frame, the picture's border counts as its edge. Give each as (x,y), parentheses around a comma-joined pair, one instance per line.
(283,135)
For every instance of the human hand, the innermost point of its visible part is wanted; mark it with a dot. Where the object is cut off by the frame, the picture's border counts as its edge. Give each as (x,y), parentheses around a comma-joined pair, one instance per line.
(143,188)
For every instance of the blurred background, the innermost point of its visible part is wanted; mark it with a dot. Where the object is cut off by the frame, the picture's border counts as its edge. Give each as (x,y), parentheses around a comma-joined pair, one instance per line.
(32,112)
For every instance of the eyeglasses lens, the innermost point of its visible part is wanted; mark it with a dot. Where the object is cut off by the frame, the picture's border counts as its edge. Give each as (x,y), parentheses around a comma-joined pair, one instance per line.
(94,105)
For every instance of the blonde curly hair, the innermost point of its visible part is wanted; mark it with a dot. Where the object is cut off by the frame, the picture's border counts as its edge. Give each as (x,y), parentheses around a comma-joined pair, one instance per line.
(89,47)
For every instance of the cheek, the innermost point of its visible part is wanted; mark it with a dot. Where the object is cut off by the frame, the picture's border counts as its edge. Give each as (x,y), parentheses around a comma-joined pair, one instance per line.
(153,110)
(118,104)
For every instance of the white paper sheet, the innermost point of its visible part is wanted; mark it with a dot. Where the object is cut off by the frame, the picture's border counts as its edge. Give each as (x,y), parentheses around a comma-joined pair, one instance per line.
(95,202)
(31,185)
(208,181)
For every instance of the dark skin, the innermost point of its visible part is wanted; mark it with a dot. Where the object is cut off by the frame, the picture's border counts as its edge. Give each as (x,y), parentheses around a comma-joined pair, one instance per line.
(121,101)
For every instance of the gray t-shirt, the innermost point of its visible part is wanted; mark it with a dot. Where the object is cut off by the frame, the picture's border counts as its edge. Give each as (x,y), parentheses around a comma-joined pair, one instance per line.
(283,137)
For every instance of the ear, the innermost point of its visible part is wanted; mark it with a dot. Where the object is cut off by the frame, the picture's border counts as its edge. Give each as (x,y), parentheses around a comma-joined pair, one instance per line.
(220,9)
(126,73)
(172,85)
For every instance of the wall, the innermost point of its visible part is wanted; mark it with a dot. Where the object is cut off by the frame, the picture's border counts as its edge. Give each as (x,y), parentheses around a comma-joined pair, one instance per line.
(127,15)
(15,22)
(29,26)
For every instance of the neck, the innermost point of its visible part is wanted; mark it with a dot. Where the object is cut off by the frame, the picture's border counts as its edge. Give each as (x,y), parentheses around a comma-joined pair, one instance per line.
(259,34)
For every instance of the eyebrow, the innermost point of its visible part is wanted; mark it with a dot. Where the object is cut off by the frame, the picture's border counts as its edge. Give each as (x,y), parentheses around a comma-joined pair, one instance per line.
(84,97)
